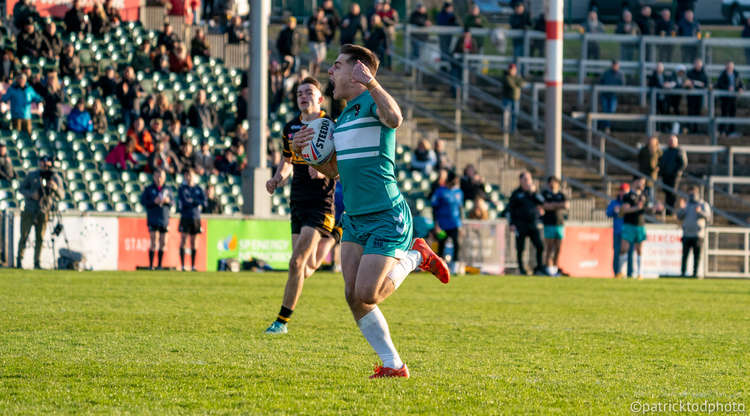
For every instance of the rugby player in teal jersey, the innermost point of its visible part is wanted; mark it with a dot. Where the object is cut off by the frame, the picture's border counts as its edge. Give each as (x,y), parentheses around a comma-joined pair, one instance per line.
(377,251)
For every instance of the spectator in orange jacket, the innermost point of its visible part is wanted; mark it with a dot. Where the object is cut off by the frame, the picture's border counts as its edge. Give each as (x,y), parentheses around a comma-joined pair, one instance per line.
(179,59)
(143,142)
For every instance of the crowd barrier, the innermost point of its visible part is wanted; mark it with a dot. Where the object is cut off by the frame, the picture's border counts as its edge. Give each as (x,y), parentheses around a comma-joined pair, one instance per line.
(122,242)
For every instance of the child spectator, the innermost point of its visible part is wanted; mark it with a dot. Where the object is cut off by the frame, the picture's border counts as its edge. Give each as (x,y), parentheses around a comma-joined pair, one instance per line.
(79,120)
(121,156)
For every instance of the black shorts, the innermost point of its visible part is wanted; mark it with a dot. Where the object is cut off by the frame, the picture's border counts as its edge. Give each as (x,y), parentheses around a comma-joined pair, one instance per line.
(315,215)
(154,228)
(190,226)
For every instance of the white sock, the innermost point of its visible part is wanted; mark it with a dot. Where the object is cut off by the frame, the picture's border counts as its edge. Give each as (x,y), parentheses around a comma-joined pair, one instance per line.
(623,262)
(375,329)
(638,258)
(406,265)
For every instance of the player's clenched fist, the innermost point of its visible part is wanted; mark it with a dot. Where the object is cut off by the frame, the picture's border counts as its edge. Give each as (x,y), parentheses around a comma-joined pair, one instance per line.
(361,73)
(301,138)
(271,185)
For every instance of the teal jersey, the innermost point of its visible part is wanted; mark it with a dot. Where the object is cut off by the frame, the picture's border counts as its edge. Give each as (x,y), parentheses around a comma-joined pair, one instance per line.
(366,151)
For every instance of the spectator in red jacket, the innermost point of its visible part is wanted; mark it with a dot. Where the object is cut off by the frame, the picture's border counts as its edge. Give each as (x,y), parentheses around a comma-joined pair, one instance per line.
(121,156)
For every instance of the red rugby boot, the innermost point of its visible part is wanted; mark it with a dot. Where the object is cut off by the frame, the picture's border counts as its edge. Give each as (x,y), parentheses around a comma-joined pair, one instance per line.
(431,262)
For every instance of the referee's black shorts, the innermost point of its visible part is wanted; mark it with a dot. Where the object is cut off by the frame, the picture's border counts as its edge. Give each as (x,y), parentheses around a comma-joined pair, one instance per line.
(319,216)
(191,226)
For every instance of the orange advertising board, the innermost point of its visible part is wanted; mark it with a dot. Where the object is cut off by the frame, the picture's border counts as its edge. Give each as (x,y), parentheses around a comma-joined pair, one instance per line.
(587,251)
(134,243)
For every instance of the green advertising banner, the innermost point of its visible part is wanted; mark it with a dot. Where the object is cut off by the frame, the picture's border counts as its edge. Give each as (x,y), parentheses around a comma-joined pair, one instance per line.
(267,240)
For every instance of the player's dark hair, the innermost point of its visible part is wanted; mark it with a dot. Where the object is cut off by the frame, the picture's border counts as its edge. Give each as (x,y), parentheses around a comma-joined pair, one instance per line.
(551,179)
(312,81)
(360,53)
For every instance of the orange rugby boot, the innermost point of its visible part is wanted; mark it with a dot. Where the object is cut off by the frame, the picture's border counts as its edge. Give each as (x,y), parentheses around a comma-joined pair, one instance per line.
(431,262)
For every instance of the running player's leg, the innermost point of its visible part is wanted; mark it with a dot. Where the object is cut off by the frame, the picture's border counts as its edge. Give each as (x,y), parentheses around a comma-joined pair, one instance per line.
(306,244)
(316,259)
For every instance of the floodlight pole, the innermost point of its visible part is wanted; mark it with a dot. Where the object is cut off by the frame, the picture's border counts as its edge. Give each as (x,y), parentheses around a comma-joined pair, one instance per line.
(254,177)
(553,79)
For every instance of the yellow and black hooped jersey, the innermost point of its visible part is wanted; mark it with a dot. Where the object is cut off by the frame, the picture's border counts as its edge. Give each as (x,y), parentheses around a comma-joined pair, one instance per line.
(304,188)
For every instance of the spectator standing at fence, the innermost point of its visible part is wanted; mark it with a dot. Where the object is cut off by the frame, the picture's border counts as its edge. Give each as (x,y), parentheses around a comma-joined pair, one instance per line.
(697,80)
(51,42)
(537,45)
(730,81)
(613,211)
(6,165)
(199,45)
(352,24)
(424,159)
(332,20)
(465,45)
(648,163)
(512,84)
(672,164)
(76,20)
(29,42)
(688,27)
(121,156)
(236,32)
(447,202)
(746,35)
(475,20)
(79,119)
(658,80)
(665,27)
(419,18)
(647,27)
(593,26)
(611,77)
(677,81)
(157,198)
(525,206)
(21,96)
(555,206)
(682,7)
(446,17)
(317,30)
(519,20)
(695,214)
(389,17)
(626,26)
(288,42)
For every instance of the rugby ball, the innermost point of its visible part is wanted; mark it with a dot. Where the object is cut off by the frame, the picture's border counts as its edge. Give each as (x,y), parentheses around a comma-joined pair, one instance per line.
(320,149)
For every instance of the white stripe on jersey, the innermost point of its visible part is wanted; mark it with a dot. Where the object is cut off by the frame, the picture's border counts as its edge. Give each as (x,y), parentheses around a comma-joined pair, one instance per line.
(356,138)
(359,155)
(358,121)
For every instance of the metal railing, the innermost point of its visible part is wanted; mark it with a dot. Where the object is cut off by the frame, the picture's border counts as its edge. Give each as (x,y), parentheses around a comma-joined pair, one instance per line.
(727,252)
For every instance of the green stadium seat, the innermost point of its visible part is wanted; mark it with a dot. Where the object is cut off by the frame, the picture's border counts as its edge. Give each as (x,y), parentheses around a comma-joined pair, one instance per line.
(85,206)
(122,207)
(104,206)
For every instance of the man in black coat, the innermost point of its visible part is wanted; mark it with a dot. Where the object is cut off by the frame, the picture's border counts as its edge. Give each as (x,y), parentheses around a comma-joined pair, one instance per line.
(51,43)
(524,210)
(698,80)
(29,42)
(731,81)
(75,19)
(672,164)
(351,24)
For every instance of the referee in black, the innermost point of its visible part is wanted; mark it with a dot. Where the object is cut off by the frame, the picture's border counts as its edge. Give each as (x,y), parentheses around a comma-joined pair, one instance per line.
(524,209)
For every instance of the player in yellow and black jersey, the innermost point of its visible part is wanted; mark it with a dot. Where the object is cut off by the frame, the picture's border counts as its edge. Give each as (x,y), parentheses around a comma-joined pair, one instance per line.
(314,231)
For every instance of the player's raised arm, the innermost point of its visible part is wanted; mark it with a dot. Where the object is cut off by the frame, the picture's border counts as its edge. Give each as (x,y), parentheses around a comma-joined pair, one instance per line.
(388,110)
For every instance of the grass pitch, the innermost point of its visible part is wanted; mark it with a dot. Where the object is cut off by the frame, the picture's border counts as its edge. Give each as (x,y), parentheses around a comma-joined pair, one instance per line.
(178,343)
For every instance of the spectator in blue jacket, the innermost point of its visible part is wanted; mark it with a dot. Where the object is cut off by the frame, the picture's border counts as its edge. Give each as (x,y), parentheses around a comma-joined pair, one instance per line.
(446,17)
(613,211)
(21,95)
(688,27)
(157,199)
(446,211)
(79,120)
(191,201)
